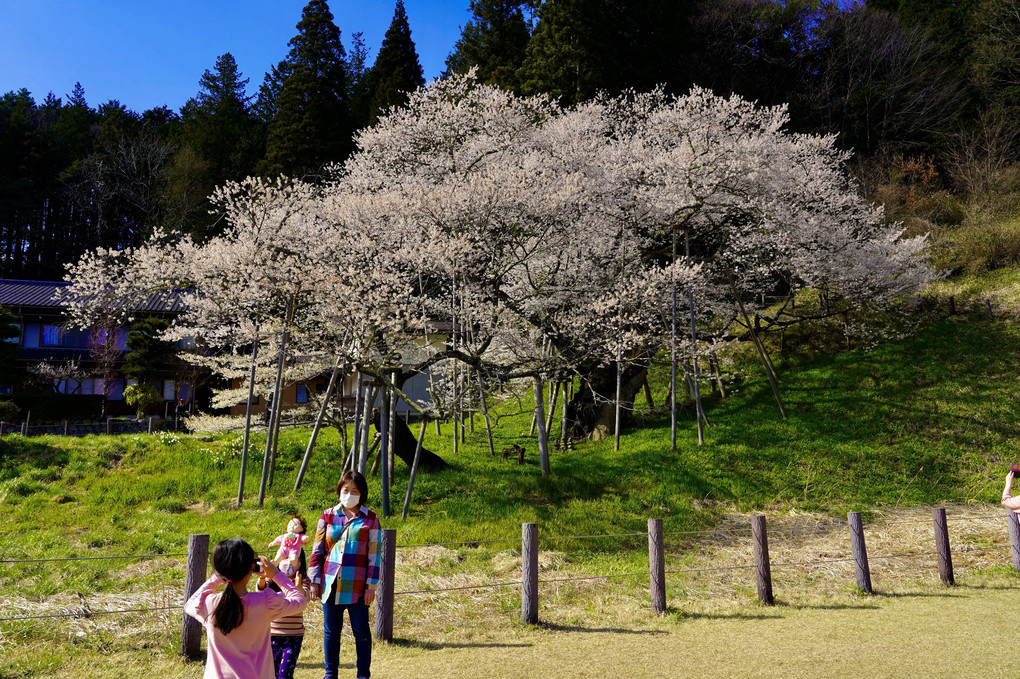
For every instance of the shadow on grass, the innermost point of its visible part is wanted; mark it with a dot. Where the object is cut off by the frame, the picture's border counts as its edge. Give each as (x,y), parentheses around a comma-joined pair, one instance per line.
(440,645)
(555,627)
(678,615)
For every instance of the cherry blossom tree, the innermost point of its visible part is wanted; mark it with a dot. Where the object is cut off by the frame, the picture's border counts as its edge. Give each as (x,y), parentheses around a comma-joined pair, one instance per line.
(538,243)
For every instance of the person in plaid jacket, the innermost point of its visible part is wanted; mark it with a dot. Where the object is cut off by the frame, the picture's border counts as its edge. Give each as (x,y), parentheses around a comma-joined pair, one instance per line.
(344,570)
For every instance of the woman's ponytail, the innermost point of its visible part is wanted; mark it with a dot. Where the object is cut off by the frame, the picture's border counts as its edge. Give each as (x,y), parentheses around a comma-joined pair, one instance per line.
(233,560)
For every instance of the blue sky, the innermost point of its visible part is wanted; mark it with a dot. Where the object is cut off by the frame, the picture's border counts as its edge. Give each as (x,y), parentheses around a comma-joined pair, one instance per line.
(149,53)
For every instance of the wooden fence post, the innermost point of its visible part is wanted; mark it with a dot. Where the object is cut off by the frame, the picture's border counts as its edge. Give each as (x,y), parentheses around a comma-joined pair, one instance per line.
(384,591)
(2,425)
(529,572)
(656,566)
(24,428)
(109,426)
(67,427)
(942,545)
(152,425)
(952,305)
(860,552)
(195,568)
(1014,537)
(762,567)
(988,308)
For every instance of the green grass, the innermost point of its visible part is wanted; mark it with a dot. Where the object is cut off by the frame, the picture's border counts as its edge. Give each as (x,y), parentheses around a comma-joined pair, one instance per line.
(910,423)
(925,420)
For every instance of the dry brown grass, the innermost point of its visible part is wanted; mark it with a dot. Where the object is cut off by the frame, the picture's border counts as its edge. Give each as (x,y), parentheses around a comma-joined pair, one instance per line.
(821,627)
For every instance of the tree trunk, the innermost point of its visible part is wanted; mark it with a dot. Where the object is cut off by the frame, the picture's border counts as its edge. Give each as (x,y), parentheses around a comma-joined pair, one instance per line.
(594,415)
(404,442)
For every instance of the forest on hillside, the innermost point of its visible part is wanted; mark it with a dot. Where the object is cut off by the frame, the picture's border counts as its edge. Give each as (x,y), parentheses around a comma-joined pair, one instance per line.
(922,92)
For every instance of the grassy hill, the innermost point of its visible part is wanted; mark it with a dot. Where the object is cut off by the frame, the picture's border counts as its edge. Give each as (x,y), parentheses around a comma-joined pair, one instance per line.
(929,419)
(912,422)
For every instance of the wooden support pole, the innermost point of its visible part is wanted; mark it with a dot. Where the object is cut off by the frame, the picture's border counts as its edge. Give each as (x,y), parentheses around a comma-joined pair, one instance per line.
(952,305)
(619,392)
(860,552)
(543,438)
(656,566)
(988,308)
(942,545)
(391,427)
(384,590)
(555,393)
(366,419)
(2,425)
(318,422)
(195,569)
(414,468)
(563,417)
(358,417)
(109,426)
(485,413)
(150,427)
(246,439)
(762,567)
(67,427)
(1014,537)
(384,450)
(529,573)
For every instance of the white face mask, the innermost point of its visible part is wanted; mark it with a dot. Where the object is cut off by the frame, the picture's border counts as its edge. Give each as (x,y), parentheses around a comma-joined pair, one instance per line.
(349,500)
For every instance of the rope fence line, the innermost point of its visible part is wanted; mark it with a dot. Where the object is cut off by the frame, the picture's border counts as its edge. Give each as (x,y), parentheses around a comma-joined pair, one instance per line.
(198,553)
(94,558)
(89,614)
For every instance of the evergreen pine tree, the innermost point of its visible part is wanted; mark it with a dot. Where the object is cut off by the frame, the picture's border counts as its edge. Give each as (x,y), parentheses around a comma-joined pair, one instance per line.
(581,47)
(397,69)
(494,41)
(359,90)
(218,123)
(311,126)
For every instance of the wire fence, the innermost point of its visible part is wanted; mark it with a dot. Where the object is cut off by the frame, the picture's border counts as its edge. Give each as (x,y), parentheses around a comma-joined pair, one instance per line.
(733,533)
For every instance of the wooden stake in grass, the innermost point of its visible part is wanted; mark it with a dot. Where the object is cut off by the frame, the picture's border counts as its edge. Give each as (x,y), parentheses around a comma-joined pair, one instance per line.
(384,590)
(529,570)
(1013,525)
(942,545)
(762,567)
(198,560)
(656,566)
(860,552)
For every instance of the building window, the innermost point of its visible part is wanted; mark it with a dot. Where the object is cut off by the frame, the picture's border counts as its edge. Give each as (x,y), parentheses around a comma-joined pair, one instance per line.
(54,336)
(301,394)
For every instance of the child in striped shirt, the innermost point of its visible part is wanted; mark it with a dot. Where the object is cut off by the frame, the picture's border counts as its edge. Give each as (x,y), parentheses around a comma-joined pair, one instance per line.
(287,633)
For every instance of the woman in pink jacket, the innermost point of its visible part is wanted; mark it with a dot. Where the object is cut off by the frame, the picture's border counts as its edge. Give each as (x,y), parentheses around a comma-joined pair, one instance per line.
(237,621)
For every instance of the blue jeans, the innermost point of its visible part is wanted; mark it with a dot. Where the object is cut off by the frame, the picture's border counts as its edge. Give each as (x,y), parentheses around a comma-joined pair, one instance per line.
(333,622)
